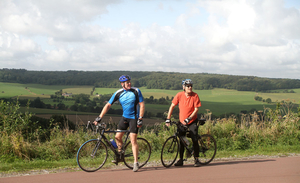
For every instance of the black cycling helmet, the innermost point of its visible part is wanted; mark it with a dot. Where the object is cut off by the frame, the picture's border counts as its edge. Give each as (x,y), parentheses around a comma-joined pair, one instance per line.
(187,82)
(124,78)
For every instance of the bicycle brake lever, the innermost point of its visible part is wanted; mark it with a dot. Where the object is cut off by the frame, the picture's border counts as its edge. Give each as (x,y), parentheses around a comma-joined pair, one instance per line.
(87,126)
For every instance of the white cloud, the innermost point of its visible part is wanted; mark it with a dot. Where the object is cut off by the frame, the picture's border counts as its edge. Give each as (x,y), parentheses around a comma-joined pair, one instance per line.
(241,37)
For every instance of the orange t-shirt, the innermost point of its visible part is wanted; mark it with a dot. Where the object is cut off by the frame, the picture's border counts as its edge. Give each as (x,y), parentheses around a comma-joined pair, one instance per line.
(186,105)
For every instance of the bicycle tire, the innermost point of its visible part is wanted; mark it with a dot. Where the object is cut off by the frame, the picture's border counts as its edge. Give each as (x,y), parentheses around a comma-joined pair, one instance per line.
(143,153)
(207,148)
(88,162)
(169,151)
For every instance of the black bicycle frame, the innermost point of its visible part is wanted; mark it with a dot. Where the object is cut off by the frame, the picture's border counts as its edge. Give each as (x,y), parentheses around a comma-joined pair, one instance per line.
(190,150)
(109,144)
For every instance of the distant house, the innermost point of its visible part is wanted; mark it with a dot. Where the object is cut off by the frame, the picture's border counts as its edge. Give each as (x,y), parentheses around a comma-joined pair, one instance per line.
(67,94)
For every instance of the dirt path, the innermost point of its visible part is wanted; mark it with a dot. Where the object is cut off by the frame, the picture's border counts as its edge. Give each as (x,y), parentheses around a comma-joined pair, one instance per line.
(274,170)
(30,91)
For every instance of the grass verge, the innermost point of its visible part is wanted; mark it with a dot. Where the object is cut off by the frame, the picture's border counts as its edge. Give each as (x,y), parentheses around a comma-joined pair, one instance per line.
(23,167)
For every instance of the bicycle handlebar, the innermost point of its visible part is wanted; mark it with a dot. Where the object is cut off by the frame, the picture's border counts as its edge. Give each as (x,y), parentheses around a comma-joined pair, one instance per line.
(102,126)
(177,123)
(201,121)
(99,125)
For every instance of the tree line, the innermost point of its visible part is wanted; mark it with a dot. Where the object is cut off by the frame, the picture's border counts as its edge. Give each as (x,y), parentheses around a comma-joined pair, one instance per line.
(150,80)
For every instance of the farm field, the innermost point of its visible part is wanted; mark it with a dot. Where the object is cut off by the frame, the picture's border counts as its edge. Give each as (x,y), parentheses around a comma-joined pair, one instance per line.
(218,101)
(9,90)
(293,97)
(81,119)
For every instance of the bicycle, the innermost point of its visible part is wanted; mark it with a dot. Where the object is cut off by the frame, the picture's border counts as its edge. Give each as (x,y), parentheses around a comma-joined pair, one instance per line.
(92,154)
(170,149)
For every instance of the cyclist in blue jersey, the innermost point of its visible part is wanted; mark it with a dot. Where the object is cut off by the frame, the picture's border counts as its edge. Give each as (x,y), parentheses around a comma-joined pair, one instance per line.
(132,102)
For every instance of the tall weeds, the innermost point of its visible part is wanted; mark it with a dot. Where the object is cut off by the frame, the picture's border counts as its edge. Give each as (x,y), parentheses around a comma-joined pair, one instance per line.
(260,129)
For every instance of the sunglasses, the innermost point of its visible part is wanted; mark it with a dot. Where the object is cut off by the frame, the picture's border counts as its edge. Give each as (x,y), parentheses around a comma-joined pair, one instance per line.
(188,86)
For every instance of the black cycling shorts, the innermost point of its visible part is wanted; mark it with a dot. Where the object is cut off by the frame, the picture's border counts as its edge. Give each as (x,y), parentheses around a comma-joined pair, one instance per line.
(124,123)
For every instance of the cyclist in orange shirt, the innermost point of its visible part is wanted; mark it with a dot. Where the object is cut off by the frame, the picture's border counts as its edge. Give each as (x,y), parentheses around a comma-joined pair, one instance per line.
(189,104)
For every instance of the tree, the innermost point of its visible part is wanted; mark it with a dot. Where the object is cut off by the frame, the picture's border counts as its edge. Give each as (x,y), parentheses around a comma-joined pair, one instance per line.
(61,106)
(258,98)
(38,103)
(268,100)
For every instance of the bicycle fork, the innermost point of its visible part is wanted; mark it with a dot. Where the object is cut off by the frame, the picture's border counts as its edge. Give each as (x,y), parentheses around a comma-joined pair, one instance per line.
(95,149)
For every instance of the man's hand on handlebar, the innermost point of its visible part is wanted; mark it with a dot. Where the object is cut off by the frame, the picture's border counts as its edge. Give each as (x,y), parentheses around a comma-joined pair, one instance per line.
(139,122)
(168,122)
(97,120)
(187,120)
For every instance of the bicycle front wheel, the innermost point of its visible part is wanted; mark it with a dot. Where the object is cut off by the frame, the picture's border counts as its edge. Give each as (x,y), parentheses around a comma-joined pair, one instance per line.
(169,151)
(207,149)
(144,153)
(92,155)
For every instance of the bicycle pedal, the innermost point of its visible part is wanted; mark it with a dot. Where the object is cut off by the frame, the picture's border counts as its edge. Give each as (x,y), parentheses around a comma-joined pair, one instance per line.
(115,162)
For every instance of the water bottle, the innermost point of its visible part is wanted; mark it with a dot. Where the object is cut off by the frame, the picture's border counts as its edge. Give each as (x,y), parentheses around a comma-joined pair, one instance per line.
(113,143)
(186,140)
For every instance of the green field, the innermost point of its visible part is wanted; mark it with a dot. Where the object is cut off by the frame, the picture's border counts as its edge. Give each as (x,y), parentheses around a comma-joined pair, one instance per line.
(8,90)
(293,97)
(218,101)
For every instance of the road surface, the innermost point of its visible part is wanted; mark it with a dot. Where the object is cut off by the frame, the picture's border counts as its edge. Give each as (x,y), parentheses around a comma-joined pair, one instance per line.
(276,170)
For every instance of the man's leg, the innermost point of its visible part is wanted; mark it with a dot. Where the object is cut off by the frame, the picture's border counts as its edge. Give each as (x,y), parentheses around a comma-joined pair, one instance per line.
(119,140)
(135,148)
(194,134)
(135,151)
(181,150)
(121,126)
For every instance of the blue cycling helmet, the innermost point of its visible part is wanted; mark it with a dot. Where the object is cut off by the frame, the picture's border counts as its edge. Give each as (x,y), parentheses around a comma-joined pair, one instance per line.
(124,78)
(187,82)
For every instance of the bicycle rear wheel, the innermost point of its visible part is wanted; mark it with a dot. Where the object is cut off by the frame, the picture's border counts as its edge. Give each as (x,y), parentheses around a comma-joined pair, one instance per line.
(169,151)
(143,153)
(207,149)
(92,155)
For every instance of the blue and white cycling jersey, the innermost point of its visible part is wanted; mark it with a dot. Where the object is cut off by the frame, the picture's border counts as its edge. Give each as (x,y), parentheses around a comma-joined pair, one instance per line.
(129,100)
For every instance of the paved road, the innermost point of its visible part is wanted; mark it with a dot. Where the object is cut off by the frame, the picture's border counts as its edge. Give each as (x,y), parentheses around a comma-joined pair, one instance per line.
(277,170)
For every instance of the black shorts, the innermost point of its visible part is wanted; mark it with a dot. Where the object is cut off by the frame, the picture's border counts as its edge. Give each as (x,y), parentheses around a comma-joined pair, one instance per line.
(124,123)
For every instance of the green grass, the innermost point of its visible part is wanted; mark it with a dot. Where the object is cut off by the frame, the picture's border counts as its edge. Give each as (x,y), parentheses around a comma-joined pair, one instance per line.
(261,151)
(23,165)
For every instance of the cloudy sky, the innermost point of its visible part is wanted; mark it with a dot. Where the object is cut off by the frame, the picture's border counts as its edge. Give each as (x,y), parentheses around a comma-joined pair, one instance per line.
(236,37)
